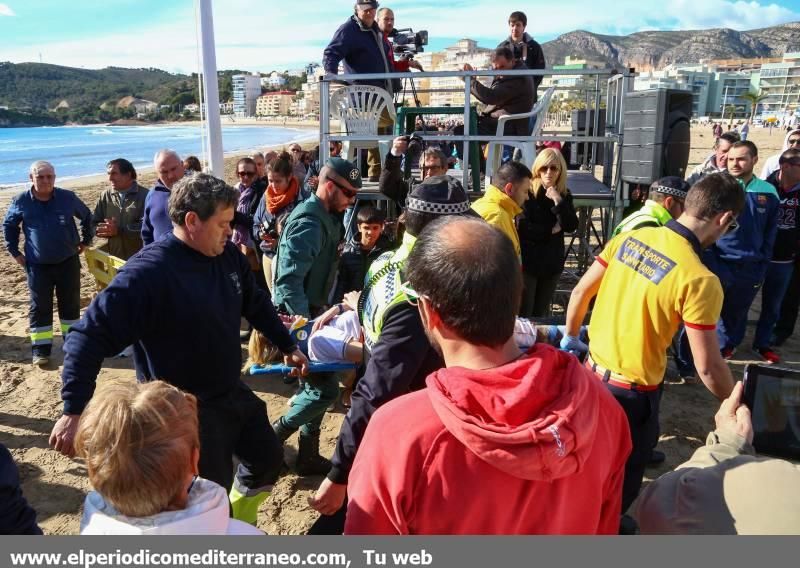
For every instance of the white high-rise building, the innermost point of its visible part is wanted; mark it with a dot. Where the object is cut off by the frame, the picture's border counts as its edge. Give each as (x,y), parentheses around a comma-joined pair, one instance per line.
(246,90)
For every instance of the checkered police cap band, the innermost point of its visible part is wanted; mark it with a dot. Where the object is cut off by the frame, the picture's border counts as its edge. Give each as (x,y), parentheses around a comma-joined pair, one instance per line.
(670,191)
(437,208)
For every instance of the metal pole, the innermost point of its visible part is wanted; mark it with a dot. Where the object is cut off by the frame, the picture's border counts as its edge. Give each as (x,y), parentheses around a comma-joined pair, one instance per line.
(324,120)
(467,116)
(596,127)
(216,163)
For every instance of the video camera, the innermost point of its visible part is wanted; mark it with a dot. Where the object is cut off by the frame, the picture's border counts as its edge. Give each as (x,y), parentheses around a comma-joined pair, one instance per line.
(406,43)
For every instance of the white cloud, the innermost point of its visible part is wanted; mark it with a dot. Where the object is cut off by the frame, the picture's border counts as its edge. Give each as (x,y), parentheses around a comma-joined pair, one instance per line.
(5,10)
(250,38)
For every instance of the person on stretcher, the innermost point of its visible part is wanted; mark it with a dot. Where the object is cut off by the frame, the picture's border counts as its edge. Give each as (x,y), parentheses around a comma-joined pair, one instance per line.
(336,336)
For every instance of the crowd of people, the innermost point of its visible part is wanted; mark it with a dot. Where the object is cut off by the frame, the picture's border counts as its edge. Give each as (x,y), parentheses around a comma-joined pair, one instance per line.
(459,405)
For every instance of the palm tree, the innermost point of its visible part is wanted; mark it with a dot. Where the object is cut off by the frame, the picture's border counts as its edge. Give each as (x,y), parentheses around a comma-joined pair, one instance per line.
(753,99)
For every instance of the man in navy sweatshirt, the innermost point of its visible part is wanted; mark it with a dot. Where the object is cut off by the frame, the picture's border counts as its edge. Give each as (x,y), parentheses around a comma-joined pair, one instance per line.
(156,222)
(180,300)
(50,257)
(740,258)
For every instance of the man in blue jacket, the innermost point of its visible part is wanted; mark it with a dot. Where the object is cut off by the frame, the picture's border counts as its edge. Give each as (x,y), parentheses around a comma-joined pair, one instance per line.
(359,44)
(156,222)
(180,300)
(52,246)
(740,258)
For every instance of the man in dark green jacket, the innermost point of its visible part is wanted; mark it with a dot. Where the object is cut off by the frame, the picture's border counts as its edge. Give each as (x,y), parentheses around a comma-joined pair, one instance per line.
(310,238)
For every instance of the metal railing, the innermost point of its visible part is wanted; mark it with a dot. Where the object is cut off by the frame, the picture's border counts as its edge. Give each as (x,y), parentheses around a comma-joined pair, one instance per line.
(616,87)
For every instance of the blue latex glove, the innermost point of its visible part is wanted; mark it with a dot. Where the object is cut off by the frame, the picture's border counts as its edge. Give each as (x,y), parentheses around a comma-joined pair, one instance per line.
(574,345)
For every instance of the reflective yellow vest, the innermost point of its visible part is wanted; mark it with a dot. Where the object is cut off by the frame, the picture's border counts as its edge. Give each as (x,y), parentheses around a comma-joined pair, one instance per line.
(383,290)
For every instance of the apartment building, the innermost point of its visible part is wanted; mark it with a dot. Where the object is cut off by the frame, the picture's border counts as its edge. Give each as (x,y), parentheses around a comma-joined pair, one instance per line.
(246,89)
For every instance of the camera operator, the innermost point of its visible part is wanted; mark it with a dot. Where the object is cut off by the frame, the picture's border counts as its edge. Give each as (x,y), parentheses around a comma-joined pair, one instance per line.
(724,488)
(386,25)
(432,162)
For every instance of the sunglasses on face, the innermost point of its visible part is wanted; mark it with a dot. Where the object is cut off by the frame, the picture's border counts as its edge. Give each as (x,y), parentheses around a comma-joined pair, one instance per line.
(349,193)
(296,150)
(549,168)
(793,141)
(245,174)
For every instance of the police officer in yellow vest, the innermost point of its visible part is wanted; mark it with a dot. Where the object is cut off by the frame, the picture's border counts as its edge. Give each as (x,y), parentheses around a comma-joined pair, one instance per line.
(666,202)
(398,352)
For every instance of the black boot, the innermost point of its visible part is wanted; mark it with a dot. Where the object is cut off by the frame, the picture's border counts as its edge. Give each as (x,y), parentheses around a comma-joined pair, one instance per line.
(281,431)
(309,462)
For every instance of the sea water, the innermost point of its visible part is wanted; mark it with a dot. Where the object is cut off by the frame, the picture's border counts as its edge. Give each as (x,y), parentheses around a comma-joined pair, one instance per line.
(84,150)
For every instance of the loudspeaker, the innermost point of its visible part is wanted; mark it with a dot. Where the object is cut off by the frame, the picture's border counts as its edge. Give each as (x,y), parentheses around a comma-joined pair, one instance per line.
(578,120)
(656,136)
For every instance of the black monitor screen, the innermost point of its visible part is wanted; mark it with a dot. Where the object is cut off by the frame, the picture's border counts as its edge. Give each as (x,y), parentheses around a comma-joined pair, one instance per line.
(773,396)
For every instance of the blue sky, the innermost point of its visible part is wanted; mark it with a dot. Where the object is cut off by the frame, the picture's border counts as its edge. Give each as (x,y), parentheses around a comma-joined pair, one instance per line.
(271,34)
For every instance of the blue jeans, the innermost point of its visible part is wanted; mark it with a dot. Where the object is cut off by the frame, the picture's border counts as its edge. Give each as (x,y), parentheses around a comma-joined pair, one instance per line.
(776,282)
(319,391)
(740,283)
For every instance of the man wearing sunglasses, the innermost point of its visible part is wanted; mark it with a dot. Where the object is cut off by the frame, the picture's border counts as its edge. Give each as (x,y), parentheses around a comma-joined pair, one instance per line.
(740,259)
(647,282)
(771,166)
(307,250)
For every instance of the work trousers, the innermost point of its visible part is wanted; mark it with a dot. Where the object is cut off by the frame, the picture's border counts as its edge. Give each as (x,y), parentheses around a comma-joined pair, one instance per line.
(776,282)
(237,424)
(65,278)
(641,409)
(319,392)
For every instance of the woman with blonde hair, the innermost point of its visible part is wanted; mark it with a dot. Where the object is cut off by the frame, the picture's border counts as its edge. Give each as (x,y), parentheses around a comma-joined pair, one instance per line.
(548,214)
(142,449)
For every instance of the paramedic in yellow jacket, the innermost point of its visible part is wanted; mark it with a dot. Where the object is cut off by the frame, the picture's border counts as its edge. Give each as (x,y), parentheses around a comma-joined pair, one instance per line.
(504,198)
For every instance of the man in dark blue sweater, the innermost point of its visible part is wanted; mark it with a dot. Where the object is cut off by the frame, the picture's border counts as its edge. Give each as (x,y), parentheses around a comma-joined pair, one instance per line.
(181,299)
(156,222)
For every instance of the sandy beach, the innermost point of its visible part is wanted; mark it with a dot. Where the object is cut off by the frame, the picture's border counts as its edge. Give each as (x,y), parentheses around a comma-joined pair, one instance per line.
(56,486)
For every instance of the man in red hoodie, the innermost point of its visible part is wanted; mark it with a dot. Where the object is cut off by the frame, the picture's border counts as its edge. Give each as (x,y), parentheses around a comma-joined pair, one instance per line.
(501,441)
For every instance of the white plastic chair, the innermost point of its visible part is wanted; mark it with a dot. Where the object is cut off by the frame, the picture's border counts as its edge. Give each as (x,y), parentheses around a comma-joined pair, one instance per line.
(528,148)
(358,109)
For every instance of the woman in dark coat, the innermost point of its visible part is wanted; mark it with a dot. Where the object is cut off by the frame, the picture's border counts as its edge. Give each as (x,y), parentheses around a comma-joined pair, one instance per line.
(548,214)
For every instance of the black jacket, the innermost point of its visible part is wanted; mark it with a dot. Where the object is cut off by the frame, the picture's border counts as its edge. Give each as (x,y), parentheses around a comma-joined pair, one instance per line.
(363,51)
(16,516)
(529,52)
(391,183)
(510,95)
(354,263)
(399,364)
(543,251)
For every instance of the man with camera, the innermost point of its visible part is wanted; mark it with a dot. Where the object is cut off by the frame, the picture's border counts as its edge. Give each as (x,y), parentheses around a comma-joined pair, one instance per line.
(506,95)
(433,162)
(406,59)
